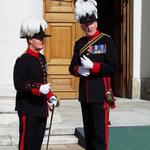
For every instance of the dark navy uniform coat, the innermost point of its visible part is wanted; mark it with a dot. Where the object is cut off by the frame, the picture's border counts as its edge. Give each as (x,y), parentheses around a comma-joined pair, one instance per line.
(29,74)
(103,55)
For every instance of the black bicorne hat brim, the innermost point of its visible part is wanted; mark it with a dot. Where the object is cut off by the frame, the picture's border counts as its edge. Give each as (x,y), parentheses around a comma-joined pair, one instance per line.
(88,18)
(40,35)
(36,37)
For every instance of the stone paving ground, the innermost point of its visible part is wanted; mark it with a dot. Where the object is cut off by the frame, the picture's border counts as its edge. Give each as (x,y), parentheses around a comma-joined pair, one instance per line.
(51,147)
(63,147)
(127,113)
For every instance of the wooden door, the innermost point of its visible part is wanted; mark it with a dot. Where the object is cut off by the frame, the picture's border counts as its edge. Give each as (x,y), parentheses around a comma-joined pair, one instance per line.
(123,47)
(59,47)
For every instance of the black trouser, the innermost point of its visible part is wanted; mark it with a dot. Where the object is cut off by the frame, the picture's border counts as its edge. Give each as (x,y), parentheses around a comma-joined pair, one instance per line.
(31,131)
(95,121)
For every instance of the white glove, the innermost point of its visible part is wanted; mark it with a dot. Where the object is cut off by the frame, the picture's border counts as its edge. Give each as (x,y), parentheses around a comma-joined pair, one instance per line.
(86,62)
(53,101)
(44,89)
(83,71)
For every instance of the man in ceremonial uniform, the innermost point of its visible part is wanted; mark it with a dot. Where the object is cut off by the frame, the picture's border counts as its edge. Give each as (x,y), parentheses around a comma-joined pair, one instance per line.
(34,97)
(93,61)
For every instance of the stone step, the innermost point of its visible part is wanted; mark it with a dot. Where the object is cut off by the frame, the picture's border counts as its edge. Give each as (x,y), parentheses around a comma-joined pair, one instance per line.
(55,131)
(9,135)
(11,118)
(54,139)
(59,135)
(61,139)
(65,119)
(7,104)
(6,140)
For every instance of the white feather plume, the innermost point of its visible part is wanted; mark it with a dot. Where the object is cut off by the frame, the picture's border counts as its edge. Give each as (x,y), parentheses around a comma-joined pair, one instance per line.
(31,26)
(85,7)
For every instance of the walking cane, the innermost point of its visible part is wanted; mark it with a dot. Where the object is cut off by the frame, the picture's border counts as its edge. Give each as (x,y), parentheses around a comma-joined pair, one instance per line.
(50,128)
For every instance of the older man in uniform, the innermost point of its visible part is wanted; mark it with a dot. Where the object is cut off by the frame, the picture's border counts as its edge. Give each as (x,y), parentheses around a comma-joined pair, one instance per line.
(93,61)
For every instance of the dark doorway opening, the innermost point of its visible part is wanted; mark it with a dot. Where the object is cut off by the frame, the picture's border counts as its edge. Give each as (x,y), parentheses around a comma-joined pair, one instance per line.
(111,21)
(107,22)
(107,16)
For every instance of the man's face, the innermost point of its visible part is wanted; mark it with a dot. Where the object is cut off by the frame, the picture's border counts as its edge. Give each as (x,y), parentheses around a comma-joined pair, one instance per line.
(89,28)
(36,44)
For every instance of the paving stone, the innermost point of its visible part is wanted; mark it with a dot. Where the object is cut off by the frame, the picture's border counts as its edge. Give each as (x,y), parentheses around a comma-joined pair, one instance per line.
(5,140)
(67,117)
(8,148)
(63,147)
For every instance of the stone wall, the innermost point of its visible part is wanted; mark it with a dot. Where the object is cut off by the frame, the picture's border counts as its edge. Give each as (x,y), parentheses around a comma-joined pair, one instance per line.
(145,88)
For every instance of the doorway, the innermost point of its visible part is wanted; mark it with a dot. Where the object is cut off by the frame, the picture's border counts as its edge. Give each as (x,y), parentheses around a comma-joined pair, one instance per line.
(114,20)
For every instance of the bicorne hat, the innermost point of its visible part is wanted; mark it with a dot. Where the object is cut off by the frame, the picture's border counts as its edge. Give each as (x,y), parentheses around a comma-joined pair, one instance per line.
(33,27)
(86,11)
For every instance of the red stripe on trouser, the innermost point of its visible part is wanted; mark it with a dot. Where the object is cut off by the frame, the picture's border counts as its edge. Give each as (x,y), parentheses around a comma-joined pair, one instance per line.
(23,119)
(106,128)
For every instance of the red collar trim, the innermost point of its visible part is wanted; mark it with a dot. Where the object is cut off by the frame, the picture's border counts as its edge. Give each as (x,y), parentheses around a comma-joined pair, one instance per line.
(94,36)
(31,52)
